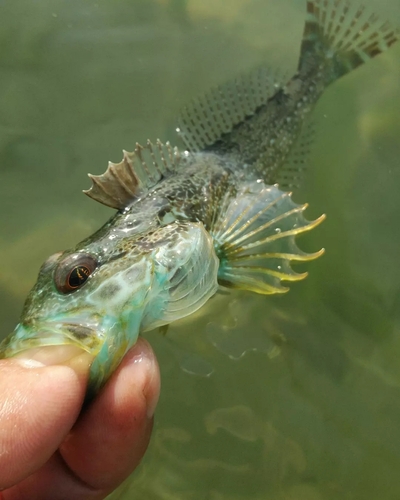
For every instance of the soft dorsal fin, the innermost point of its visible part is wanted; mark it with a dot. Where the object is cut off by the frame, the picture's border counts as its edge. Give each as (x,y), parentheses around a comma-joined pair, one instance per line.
(208,118)
(138,171)
(254,238)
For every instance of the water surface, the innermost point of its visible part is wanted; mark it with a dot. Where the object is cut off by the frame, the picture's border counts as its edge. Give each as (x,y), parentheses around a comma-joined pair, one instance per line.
(312,409)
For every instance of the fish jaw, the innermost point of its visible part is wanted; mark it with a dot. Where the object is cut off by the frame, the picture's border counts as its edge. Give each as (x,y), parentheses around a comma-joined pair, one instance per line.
(87,335)
(121,336)
(106,341)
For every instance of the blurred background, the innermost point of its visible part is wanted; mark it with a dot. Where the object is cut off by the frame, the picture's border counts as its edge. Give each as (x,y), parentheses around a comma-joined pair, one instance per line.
(281,398)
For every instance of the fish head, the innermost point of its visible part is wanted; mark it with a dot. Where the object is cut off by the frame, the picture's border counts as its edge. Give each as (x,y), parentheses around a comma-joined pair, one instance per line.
(101,300)
(84,299)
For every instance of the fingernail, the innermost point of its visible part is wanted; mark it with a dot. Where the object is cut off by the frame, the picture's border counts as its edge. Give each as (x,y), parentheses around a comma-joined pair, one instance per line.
(146,366)
(66,355)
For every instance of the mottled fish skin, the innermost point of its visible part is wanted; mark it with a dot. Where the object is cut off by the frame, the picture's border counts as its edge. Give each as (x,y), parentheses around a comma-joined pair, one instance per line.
(188,222)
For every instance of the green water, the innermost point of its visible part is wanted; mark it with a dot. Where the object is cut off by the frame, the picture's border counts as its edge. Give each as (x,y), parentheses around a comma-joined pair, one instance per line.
(312,410)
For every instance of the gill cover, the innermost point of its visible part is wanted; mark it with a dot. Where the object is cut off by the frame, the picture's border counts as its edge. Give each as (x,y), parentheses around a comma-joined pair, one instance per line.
(183,276)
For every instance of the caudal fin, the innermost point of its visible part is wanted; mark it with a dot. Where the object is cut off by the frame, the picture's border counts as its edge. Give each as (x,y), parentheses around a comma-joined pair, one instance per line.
(337,32)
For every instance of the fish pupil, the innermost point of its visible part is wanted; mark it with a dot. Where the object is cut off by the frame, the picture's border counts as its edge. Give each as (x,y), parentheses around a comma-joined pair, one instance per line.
(78,276)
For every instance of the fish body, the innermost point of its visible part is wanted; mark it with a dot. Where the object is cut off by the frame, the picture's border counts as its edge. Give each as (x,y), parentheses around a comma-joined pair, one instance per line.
(188,222)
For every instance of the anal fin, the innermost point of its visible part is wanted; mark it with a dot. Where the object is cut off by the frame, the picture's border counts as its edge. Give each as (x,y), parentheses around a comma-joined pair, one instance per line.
(255,239)
(290,175)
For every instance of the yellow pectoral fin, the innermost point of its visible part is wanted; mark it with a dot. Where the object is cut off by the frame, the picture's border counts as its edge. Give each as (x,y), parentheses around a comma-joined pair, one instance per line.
(255,239)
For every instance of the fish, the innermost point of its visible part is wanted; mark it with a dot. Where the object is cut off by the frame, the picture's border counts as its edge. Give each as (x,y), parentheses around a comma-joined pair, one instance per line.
(216,213)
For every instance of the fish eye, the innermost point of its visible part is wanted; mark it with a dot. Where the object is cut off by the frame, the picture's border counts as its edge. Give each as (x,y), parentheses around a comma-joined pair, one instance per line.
(73,272)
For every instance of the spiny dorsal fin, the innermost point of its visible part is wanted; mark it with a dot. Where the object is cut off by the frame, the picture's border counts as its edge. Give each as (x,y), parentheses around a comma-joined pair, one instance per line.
(255,239)
(138,171)
(208,118)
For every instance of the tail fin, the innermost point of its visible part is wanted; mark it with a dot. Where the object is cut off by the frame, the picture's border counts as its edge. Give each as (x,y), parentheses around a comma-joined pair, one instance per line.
(254,119)
(348,36)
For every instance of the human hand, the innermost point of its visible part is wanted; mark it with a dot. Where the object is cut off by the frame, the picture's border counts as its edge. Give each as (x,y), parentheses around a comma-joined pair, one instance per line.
(49,449)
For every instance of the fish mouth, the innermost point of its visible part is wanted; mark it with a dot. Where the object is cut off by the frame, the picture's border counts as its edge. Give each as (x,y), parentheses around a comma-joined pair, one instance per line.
(27,336)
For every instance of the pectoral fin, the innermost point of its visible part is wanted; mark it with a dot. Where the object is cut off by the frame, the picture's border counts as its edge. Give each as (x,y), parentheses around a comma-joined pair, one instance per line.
(255,239)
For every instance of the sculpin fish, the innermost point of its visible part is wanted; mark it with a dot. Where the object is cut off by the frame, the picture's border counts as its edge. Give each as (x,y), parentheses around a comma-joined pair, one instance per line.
(190,221)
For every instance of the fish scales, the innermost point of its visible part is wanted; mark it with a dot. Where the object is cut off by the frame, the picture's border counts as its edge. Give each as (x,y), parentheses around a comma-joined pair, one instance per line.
(265,140)
(188,222)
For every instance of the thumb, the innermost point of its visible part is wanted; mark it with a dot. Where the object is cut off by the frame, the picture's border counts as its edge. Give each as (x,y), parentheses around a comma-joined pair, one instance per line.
(38,406)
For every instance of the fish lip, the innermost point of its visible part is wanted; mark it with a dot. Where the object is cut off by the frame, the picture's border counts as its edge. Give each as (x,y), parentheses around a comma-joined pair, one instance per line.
(79,333)
(32,335)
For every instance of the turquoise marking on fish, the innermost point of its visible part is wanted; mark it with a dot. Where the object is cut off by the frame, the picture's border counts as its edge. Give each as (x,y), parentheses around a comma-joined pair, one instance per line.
(212,215)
